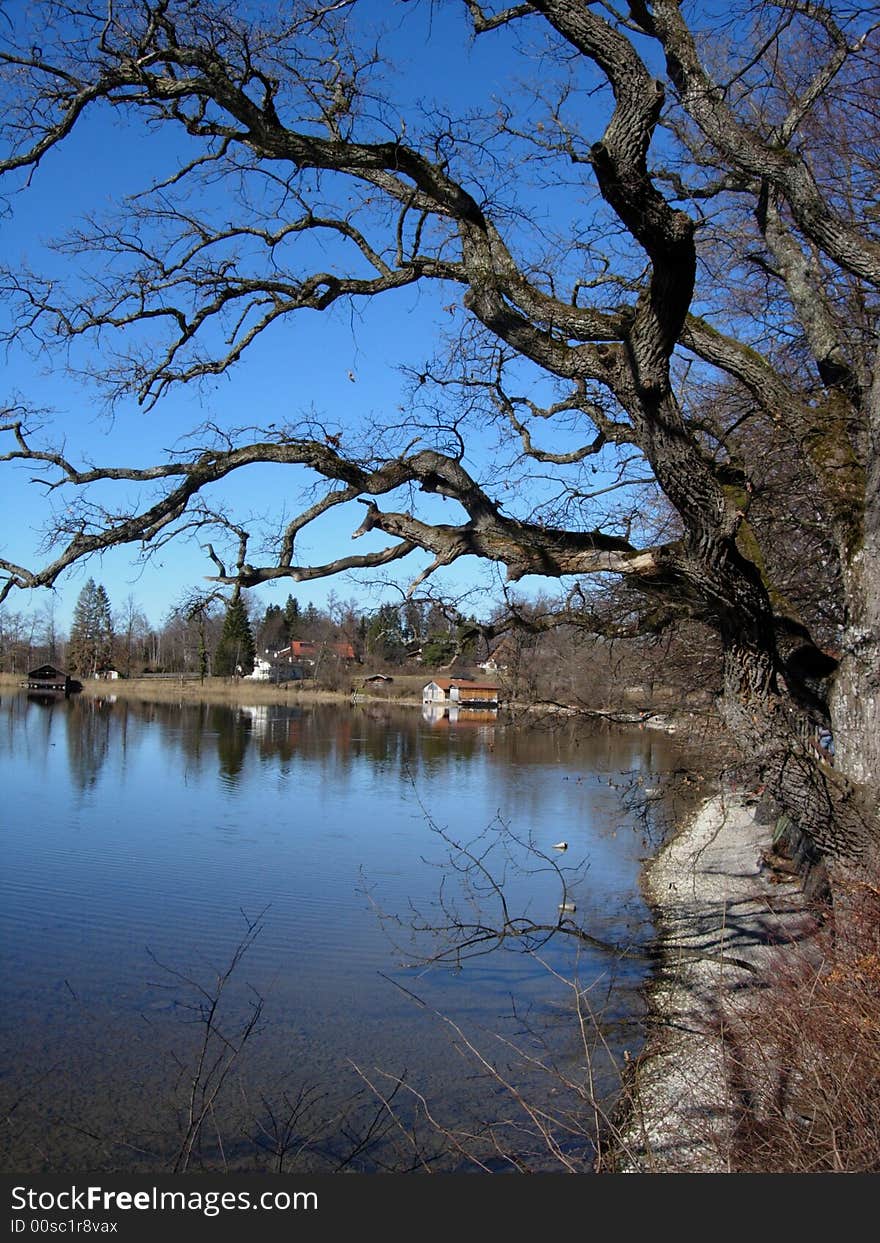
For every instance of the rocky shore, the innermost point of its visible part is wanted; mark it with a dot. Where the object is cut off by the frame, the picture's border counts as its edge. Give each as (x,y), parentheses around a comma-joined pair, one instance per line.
(724,919)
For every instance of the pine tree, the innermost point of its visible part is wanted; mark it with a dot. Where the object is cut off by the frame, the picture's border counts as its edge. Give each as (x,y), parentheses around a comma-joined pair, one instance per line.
(236,650)
(273,630)
(91,633)
(103,629)
(291,618)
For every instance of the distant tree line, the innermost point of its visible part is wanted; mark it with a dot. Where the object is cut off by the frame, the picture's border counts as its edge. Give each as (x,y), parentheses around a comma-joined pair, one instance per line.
(213,637)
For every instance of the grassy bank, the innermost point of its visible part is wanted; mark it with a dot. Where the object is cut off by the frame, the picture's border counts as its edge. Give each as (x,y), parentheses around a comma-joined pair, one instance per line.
(406,691)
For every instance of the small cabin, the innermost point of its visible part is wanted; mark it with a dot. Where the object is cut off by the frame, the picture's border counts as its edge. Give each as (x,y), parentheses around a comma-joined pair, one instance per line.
(50,678)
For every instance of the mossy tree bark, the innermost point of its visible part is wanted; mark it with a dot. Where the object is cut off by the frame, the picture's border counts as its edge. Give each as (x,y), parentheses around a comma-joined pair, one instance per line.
(738,249)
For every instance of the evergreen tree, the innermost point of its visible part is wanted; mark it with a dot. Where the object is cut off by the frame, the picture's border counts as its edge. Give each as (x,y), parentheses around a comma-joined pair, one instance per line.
(273,630)
(103,629)
(440,649)
(292,619)
(310,620)
(91,634)
(236,650)
(413,623)
(385,640)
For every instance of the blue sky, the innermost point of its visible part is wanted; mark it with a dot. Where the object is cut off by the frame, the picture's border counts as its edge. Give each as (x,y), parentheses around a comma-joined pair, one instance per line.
(344,366)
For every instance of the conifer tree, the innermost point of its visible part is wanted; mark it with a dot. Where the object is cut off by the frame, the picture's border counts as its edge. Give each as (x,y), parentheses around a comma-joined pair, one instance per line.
(291,618)
(236,650)
(91,633)
(273,631)
(692,311)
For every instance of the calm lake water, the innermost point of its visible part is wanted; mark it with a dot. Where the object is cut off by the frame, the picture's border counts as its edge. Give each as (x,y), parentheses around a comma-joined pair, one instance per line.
(341,849)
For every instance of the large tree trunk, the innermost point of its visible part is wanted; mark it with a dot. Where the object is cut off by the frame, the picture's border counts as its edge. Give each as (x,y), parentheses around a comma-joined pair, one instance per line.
(855,695)
(855,698)
(772,728)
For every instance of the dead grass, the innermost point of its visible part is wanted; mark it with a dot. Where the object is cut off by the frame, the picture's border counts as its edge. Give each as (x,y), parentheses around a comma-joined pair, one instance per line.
(804,1056)
(228,690)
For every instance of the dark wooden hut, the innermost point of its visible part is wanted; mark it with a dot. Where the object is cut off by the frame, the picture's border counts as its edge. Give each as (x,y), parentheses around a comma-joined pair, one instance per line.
(49,678)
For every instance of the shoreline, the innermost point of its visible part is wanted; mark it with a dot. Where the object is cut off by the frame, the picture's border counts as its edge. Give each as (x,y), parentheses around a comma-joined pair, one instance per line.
(243,693)
(723,922)
(213,690)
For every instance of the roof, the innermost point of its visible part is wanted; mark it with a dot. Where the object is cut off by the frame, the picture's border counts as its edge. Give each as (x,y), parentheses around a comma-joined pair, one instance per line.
(300,649)
(47,671)
(463,684)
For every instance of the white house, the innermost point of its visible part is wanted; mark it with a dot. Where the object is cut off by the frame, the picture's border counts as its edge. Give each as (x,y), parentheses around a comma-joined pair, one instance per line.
(262,671)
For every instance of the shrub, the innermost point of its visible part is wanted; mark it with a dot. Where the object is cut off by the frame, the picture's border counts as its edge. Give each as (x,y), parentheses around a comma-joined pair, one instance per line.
(806,1052)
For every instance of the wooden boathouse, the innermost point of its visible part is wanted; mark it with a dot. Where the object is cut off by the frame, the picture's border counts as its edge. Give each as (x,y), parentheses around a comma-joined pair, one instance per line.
(461,691)
(48,678)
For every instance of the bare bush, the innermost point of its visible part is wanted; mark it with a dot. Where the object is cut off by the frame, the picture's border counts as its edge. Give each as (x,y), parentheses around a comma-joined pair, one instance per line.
(805,1055)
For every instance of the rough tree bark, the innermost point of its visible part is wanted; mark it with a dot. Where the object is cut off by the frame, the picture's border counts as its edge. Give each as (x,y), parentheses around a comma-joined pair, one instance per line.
(714,164)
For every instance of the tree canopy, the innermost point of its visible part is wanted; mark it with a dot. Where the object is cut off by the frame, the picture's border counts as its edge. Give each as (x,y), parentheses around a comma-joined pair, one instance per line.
(91,632)
(659,250)
(235,650)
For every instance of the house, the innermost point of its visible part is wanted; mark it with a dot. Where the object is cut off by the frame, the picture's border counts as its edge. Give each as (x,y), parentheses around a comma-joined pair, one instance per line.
(460,691)
(506,653)
(442,716)
(262,671)
(50,678)
(268,668)
(378,679)
(298,660)
(308,652)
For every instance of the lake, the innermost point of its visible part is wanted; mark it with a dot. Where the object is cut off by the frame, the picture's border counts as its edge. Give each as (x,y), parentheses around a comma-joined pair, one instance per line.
(257,938)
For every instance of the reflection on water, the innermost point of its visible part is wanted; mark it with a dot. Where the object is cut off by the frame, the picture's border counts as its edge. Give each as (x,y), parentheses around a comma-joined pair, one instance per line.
(143,841)
(450,714)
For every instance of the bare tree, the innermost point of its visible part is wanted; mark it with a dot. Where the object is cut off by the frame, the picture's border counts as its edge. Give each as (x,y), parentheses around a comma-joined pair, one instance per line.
(14,642)
(701,231)
(132,628)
